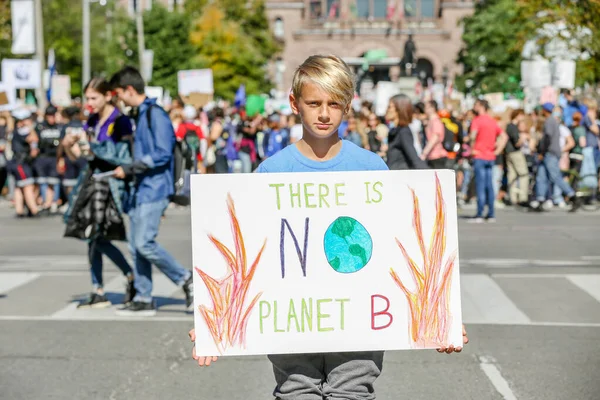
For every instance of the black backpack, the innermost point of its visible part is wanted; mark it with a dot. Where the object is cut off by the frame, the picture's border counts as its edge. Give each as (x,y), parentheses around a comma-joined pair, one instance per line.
(181,159)
(449,144)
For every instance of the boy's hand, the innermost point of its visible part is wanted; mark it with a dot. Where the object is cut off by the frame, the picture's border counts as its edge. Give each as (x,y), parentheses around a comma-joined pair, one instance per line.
(119,173)
(452,349)
(202,361)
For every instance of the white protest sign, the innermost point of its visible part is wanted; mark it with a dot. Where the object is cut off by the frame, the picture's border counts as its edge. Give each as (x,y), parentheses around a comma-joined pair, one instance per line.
(384,92)
(22,74)
(539,74)
(155,92)
(23,27)
(61,90)
(563,74)
(195,81)
(325,262)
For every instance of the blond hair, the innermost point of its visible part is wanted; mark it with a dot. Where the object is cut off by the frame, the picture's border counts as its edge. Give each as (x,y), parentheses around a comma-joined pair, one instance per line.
(330,73)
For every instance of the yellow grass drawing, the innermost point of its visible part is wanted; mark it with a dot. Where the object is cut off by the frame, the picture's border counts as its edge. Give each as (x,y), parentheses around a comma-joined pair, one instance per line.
(228,318)
(430,316)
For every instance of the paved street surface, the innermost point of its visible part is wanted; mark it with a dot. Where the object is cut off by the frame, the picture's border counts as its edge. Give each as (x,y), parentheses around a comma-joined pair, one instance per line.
(531,302)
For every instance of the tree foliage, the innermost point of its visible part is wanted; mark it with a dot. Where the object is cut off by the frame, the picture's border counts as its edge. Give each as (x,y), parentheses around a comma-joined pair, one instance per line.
(491,55)
(230,36)
(236,43)
(168,35)
(495,34)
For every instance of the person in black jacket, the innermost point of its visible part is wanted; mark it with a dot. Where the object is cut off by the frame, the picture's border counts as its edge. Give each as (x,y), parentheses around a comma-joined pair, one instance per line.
(401,150)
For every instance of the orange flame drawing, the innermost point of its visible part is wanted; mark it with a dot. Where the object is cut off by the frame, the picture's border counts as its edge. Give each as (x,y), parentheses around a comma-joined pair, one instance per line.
(228,319)
(430,302)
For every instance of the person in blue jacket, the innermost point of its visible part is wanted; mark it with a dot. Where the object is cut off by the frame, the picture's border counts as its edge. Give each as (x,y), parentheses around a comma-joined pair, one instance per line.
(152,174)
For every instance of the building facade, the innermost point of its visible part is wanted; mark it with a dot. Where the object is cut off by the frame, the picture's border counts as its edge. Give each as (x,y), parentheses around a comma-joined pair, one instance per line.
(352,28)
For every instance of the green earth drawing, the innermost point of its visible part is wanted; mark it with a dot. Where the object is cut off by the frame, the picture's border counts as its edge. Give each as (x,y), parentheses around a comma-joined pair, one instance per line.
(348,245)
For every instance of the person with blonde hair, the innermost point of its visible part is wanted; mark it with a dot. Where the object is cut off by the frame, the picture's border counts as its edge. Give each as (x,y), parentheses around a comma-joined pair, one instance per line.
(322,90)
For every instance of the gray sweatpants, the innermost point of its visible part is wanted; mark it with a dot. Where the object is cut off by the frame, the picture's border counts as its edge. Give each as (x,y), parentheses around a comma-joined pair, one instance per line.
(348,376)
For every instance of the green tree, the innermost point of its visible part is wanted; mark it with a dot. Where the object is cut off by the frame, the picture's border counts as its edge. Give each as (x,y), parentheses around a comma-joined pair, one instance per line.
(495,34)
(225,47)
(5,30)
(491,55)
(168,35)
(63,31)
(581,20)
(255,48)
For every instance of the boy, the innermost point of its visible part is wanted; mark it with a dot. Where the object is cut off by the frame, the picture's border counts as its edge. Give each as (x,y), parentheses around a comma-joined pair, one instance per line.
(322,90)
(152,173)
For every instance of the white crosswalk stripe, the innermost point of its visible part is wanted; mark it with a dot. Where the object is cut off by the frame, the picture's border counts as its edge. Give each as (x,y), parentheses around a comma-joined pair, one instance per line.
(12,280)
(587,283)
(483,301)
(485,298)
(161,285)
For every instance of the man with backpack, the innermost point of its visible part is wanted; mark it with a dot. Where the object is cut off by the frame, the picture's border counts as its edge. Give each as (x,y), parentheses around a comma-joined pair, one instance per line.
(152,174)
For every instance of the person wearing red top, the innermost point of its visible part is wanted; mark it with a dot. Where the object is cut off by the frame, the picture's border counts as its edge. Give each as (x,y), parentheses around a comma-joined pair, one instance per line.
(188,126)
(489,141)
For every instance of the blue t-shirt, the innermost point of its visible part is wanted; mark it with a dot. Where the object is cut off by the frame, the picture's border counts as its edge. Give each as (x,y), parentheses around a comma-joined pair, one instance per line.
(350,158)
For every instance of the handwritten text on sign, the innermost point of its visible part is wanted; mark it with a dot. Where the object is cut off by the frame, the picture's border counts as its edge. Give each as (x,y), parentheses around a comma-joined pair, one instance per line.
(321,262)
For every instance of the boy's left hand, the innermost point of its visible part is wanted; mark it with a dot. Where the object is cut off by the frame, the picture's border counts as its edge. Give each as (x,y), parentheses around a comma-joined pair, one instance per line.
(452,349)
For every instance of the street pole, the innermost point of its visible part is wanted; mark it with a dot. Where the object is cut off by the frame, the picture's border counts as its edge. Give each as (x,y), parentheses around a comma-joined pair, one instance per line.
(139,23)
(86,74)
(39,50)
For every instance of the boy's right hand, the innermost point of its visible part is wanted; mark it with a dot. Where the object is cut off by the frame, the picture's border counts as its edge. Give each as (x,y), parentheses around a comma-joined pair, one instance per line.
(202,361)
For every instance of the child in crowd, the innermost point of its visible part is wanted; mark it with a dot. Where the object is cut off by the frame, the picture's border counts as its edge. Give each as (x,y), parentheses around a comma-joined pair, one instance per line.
(322,91)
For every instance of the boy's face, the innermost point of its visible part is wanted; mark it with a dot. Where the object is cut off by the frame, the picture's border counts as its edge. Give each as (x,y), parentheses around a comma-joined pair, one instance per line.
(320,114)
(126,95)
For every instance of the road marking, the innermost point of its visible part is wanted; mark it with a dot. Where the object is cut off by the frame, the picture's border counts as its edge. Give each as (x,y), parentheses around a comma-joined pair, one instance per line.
(587,283)
(590,258)
(489,368)
(12,280)
(483,301)
(162,288)
(518,262)
(189,318)
(543,275)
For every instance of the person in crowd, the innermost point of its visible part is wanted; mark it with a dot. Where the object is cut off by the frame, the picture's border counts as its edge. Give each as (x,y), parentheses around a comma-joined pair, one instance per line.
(24,146)
(352,132)
(49,137)
(276,137)
(592,128)
(488,142)
(518,174)
(246,144)
(152,174)
(498,174)
(295,128)
(71,169)
(106,123)
(3,146)
(434,152)
(322,90)
(221,139)
(579,137)
(192,133)
(377,135)
(549,171)
(417,128)
(401,152)
(566,144)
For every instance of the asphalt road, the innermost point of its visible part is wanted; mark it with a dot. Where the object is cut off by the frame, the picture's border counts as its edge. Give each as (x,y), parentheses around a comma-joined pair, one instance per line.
(531,304)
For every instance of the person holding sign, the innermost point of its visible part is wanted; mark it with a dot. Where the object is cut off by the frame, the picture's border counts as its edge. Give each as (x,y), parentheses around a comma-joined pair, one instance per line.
(322,91)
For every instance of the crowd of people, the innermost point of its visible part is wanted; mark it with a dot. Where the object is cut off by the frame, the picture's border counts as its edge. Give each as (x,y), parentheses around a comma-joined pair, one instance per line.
(532,160)
(91,163)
